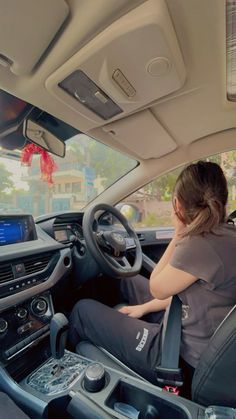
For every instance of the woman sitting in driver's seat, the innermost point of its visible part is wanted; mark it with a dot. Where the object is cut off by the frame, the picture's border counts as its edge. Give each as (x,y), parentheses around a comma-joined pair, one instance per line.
(198,265)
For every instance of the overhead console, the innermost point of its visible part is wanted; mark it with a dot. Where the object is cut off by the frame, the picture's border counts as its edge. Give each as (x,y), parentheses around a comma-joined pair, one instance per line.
(135,133)
(132,63)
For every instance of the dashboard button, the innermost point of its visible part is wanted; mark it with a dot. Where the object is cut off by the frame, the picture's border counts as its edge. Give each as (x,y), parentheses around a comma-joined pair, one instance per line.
(22,313)
(19,270)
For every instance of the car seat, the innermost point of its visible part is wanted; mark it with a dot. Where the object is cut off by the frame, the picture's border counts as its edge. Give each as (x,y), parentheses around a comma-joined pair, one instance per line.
(214,379)
(9,409)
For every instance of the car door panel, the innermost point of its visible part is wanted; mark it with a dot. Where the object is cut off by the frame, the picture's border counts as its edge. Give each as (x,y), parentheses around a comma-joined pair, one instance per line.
(154,241)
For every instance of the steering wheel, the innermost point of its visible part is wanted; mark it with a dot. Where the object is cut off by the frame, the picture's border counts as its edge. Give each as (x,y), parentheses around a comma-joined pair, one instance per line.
(109,247)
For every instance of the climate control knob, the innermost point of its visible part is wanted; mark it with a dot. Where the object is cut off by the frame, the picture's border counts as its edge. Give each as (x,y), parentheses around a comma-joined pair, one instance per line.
(3,325)
(22,313)
(39,306)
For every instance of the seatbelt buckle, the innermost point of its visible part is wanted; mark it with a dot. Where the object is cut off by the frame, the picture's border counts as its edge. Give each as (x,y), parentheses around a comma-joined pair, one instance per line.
(171,389)
(172,377)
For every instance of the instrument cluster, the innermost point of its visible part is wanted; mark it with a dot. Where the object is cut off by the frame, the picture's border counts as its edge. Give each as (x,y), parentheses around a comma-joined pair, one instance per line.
(65,233)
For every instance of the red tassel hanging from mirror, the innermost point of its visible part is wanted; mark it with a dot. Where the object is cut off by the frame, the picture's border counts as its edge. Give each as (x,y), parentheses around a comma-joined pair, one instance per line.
(47,163)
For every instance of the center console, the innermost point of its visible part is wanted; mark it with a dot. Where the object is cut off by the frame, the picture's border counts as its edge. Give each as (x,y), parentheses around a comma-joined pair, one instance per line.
(91,390)
(67,385)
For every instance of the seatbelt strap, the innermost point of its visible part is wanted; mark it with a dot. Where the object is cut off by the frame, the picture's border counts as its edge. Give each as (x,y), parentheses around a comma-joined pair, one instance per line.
(169,373)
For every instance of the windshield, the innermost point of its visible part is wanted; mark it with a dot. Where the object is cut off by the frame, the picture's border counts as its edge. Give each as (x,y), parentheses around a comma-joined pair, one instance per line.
(88,168)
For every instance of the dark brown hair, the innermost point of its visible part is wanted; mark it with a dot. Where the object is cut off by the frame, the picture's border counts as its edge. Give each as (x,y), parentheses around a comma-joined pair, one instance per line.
(201,189)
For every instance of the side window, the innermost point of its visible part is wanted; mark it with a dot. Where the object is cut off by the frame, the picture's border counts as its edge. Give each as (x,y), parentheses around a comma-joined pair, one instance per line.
(151,205)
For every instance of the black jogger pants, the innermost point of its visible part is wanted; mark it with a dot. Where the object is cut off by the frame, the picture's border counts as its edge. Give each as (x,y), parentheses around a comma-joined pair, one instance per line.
(135,342)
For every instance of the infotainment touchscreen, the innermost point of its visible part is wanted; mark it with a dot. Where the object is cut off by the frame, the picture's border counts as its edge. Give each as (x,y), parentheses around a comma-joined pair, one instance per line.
(16,229)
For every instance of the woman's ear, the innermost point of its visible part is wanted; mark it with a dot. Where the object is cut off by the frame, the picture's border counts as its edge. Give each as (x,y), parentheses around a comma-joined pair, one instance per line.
(179,208)
(178,205)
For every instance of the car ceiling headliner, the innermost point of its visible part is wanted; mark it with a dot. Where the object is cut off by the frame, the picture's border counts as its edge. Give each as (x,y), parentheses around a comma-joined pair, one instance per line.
(197,116)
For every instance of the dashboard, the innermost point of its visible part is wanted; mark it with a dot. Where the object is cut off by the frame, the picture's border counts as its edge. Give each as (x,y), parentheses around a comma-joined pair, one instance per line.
(31,261)
(66,229)
(34,257)
(36,254)
(65,233)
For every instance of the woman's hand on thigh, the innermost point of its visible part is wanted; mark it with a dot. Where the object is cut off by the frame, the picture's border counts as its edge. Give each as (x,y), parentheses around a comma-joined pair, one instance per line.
(136,311)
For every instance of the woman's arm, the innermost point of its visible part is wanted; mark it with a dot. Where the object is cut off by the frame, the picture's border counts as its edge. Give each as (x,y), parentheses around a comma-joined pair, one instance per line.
(165,280)
(140,310)
(166,256)
(179,230)
(170,281)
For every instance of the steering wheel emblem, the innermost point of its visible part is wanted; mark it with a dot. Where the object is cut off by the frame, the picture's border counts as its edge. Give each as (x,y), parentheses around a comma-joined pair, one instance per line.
(118,238)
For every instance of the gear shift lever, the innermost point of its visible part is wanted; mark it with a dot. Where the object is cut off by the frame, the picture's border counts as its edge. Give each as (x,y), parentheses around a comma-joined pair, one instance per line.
(58,334)
(59,371)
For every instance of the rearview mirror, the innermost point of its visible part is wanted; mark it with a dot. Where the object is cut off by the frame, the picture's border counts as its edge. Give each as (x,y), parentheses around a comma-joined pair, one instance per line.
(40,136)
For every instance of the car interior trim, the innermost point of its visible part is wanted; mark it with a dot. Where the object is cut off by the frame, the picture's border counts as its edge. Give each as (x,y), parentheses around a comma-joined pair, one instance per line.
(56,276)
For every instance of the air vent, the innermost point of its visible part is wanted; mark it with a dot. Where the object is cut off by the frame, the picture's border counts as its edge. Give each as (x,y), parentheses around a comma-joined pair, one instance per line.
(37,263)
(6,273)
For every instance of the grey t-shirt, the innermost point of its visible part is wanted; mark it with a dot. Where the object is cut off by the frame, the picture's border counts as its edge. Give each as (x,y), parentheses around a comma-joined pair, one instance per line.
(211,258)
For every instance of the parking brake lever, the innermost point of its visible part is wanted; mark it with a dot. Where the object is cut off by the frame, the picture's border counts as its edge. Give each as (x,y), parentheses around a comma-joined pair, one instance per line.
(58,334)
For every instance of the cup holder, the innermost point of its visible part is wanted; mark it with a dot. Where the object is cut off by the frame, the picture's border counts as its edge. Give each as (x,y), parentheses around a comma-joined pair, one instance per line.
(146,404)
